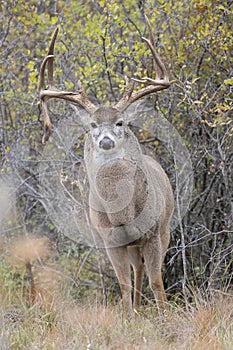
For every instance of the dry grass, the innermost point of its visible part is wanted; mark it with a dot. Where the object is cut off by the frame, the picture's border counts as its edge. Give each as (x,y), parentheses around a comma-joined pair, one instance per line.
(28,249)
(54,321)
(67,325)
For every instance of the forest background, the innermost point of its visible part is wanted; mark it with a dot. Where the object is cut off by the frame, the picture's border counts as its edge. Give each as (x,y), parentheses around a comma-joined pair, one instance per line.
(99,42)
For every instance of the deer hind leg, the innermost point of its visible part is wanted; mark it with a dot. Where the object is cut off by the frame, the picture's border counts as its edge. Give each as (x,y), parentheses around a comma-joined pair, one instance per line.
(153,253)
(136,260)
(120,261)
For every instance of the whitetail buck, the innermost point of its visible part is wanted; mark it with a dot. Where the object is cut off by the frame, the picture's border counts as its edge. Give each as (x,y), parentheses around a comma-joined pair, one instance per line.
(131,200)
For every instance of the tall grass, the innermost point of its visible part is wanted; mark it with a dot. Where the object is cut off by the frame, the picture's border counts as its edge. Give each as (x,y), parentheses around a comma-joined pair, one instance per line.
(92,326)
(52,320)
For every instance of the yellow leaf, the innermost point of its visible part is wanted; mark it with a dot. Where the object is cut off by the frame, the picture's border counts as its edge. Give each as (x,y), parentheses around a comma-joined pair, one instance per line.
(53,20)
(31,65)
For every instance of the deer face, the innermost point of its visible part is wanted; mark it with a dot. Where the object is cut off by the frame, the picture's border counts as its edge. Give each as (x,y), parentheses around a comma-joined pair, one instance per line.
(107,130)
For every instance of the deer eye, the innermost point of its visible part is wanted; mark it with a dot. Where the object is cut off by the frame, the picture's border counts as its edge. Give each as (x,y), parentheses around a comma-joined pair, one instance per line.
(120,123)
(94,125)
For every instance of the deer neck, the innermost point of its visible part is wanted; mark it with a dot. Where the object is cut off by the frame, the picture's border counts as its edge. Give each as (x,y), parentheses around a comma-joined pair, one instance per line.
(106,158)
(128,155)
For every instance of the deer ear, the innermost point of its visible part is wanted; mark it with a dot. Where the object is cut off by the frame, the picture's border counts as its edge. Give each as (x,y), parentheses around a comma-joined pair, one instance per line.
(83,116)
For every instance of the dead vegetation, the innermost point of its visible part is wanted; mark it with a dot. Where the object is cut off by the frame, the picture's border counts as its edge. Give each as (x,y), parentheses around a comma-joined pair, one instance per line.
(53,320)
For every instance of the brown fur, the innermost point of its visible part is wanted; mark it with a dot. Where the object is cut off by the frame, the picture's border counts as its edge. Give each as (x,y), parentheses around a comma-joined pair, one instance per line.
(124,232)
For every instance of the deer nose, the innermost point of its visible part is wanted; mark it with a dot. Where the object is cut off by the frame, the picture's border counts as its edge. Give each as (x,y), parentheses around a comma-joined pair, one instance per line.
(106,143)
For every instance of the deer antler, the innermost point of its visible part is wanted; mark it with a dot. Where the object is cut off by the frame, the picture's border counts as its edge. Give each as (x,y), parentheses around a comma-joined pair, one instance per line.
(160,82)
(79,97)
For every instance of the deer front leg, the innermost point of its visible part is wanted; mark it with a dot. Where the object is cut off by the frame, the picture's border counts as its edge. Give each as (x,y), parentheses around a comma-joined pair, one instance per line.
(138,268)
(120,261)
(154,255)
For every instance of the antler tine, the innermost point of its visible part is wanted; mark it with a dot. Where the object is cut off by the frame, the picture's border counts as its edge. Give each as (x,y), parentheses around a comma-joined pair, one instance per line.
(51,59)
(42,72)
(48,59)
(79,97)
(160,82)
(129,86)
(152,40)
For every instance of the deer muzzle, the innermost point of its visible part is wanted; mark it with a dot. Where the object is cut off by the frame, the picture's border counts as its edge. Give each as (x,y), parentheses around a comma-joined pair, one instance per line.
(106,143)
